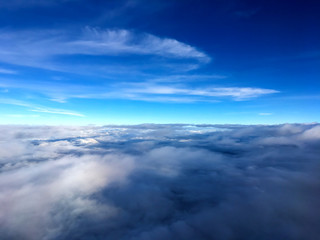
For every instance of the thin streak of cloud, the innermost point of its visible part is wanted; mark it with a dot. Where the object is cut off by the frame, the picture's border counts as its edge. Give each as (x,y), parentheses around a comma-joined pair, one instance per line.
(122,41)
(56,111)
(236,93)
(38,108)
(186,78)
(7,71)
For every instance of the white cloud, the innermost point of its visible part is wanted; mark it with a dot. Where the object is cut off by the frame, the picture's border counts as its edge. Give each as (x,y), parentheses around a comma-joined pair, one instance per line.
(186,78)
(114,42)
(142,90)
(56,111)
(312,134)
(65,182)
(240,93)
(152,90)
(38,108)
(38,48)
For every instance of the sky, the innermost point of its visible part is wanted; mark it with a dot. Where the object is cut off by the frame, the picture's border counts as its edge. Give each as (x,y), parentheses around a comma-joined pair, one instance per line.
(78,62)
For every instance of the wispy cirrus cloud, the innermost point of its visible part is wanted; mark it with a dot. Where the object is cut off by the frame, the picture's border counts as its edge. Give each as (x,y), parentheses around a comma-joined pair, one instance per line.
(187,78)
(7,71)
(47,48)
(201,93)
(157,90)
(184,94)
(39,108)
(122,41)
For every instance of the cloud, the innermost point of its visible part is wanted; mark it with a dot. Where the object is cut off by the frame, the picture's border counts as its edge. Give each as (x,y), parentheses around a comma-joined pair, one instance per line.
(153,90)
(107,55)
(160,182)
(7,71)
(313,133)
(56,111)
(38,108)
(142,90)
(122,41)
(58,187)
(50,49)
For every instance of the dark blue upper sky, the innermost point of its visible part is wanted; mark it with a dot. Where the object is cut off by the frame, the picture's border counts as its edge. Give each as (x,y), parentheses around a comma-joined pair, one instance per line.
(235,61)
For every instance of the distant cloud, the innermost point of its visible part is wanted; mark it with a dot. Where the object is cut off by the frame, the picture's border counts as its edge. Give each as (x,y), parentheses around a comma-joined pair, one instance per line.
(157,182)
(156,90)
(187,78)
(205,94)
(122,41)
(39,108)
(44,48)
(7,71)
(56,111)
(312,134)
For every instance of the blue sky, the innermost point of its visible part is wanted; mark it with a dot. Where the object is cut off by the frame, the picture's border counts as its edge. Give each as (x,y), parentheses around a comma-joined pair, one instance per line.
(138,61)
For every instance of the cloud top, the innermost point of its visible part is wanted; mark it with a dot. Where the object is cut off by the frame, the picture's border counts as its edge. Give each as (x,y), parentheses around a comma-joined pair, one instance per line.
(160,182)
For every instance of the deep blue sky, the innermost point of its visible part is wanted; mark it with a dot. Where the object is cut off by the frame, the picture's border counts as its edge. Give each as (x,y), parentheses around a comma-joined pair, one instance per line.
(101,62)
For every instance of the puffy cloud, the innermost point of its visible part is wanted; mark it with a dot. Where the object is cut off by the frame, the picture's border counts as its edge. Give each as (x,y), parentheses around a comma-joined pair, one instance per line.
(313,133)
(160,182)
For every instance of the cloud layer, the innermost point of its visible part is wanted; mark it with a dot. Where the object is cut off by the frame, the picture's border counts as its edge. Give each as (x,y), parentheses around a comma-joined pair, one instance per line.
(160,182)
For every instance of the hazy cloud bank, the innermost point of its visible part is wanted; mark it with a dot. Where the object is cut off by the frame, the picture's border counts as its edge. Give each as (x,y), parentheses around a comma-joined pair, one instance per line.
(160,182)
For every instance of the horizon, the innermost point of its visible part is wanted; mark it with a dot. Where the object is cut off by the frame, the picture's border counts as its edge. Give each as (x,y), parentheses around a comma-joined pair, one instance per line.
(159,120)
